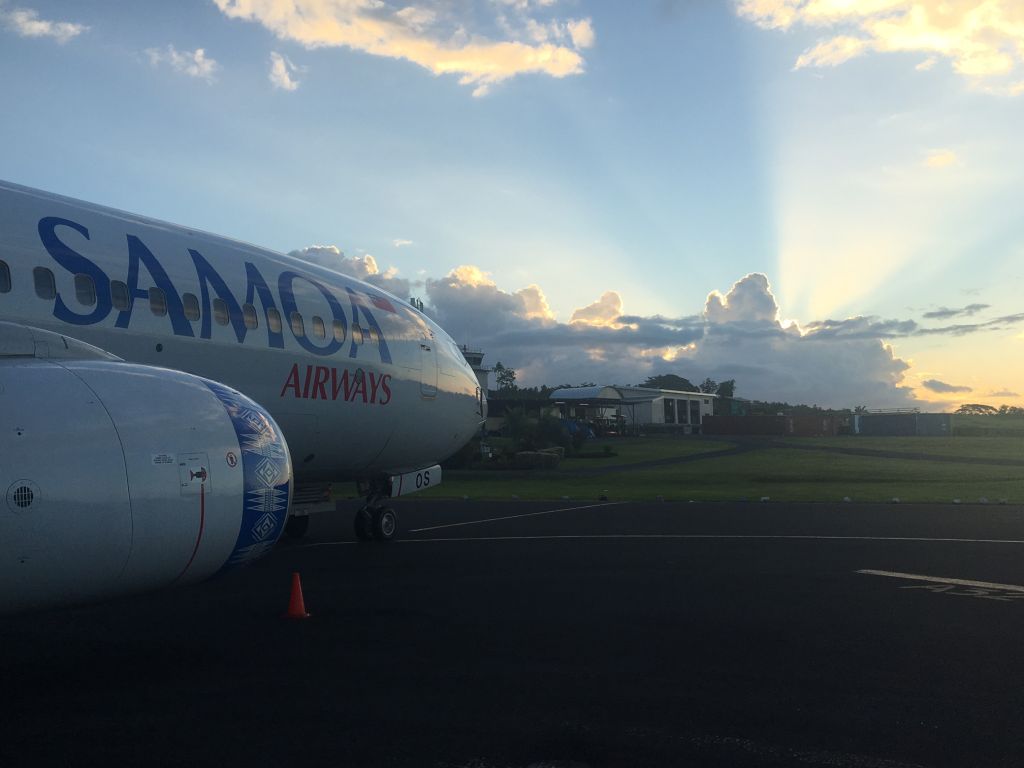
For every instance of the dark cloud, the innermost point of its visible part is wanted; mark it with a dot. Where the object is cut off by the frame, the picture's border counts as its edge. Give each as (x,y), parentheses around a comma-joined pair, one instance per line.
(831,366)
(738,335)
(942,387)
(873,327)
(998,324)
(945,313)
(1003,393)
(860,328)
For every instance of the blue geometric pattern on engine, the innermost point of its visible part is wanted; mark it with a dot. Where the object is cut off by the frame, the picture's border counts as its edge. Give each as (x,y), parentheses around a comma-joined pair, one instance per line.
(267,474)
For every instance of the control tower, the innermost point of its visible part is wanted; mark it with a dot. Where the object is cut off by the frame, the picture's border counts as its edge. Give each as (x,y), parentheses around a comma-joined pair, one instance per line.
(475,358)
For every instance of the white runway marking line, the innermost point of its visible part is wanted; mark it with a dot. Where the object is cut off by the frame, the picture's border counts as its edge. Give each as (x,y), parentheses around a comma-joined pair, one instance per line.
(942,580)
(513,517)
(664,536)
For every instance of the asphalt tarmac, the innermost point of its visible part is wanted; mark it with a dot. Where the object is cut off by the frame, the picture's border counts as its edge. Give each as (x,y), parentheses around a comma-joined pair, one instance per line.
(556,634)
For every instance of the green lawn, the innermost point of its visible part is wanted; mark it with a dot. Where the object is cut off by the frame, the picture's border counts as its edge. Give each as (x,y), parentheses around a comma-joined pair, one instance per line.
(634,450)
(988,426)
(781,473)
(976,447)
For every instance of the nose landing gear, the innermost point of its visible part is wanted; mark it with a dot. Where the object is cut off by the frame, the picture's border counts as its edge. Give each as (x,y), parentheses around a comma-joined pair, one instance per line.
(374,521)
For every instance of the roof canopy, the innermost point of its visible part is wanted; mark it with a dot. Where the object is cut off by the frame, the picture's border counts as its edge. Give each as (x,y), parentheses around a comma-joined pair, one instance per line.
(612,395)
(586,393)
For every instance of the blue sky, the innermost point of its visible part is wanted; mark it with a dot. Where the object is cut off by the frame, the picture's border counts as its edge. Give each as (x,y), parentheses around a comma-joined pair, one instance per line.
(862,156)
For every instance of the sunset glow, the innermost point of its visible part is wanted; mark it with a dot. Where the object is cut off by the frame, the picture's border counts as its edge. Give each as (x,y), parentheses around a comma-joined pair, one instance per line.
(817,198)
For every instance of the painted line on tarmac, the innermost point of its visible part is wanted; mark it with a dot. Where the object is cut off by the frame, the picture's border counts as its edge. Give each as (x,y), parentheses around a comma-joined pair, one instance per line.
(671,536)
(943,580)
(513,517)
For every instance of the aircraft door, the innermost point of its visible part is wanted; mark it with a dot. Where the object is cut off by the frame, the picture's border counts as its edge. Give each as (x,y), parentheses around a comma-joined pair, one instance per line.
(428,366)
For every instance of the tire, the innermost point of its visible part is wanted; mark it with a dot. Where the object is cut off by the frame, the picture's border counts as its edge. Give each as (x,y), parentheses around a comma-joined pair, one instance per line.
(363,525)
(296,527)
(385,524)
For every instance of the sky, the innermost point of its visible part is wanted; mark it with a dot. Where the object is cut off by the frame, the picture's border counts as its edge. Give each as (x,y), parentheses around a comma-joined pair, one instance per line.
(817,198)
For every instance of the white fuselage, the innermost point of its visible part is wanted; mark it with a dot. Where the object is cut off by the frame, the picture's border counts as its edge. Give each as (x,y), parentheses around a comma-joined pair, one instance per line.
(360,382)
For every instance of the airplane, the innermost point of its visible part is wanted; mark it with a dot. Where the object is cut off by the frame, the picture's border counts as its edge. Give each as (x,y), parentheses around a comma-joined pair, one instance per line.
(171,401)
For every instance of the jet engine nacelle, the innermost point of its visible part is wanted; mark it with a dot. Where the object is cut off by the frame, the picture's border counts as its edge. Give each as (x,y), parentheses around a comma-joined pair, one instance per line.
(168,479)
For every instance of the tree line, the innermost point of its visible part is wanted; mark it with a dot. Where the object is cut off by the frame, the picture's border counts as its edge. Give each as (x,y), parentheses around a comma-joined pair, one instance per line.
(979,409)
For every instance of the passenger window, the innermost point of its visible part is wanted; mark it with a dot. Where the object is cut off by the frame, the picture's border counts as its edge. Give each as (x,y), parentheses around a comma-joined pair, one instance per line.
(5,277)
(119,295)
(220,311)
(45,286)
(319,329)
(298,329)
(339,330)
(274,320)
(358,334)
(249,316)
(158,301)
(191,305)
(85,290)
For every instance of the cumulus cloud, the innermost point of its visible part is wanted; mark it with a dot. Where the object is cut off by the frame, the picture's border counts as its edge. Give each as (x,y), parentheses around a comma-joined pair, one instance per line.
(360,267)
(750,300)
(428,34)
(26,23)
(940,158)
(745,340)
(832,53)
(581,32)
(192,63)
(943,388)
(984,41)
(737,335)
(944,313)
(283,71)
(604,311)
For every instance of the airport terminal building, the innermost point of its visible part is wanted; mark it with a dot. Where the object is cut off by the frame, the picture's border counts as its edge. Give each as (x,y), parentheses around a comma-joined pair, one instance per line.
(631,408)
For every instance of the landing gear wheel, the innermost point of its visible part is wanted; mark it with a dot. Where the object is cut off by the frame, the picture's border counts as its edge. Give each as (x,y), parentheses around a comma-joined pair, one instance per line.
(296,527)
(363,525)
(385,524)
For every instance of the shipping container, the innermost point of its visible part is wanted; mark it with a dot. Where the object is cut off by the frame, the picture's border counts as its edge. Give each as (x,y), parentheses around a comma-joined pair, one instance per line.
(934,424)
(813,425)
(745,425)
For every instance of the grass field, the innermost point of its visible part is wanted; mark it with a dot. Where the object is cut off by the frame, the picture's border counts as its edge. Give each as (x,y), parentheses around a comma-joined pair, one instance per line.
(781,472)
(988,426)
(973,447)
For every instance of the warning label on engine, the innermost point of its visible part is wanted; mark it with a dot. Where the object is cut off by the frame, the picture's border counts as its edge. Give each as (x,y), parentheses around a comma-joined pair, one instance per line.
(163,458)
(193,472)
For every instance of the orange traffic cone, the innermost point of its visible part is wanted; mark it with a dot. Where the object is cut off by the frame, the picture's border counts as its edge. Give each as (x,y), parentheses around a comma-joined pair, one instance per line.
(296,605)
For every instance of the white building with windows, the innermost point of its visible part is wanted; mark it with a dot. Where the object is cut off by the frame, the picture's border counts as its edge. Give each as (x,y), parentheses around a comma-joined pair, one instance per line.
(635,407)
